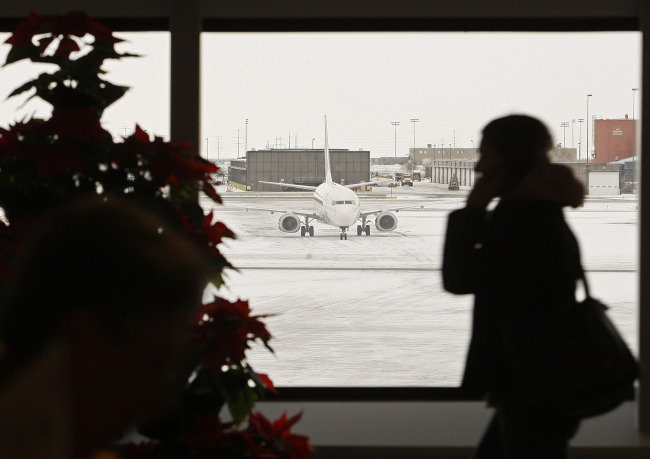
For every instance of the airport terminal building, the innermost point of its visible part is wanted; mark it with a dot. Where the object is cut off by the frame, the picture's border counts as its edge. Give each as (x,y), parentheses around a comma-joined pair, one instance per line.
(298,166)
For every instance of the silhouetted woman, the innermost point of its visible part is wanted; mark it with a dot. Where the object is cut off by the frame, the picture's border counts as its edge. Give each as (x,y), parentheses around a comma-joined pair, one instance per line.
(520,260)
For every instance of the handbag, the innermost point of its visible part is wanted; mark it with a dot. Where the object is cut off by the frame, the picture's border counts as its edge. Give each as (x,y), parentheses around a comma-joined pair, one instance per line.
(576,364)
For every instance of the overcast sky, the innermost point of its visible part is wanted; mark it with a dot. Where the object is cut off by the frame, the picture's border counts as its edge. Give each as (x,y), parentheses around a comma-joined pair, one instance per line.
(284,83)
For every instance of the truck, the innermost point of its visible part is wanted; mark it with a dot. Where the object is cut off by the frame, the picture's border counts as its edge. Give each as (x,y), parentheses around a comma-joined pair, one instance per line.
(407,179)
(417,176)
(453,183)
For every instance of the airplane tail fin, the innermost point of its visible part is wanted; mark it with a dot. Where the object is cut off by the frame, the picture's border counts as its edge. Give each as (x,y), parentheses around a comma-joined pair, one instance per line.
(328,169)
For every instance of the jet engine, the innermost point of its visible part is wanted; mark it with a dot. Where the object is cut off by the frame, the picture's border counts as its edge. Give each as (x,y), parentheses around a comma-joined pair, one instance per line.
(289,223)
(386,221)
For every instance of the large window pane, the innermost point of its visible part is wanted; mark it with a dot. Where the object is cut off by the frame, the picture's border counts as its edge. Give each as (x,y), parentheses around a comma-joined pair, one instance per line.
(145,103)
(372,311)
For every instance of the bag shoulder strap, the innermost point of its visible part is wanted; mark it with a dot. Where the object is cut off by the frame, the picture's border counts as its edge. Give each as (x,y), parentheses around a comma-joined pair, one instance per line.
(584,281)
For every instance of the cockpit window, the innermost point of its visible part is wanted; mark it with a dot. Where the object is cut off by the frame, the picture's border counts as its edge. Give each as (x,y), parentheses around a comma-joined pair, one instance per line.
(349,202)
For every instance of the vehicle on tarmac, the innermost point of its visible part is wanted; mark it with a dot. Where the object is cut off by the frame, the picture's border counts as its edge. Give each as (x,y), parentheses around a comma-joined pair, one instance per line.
(384,181)
(453,183)
(407,180)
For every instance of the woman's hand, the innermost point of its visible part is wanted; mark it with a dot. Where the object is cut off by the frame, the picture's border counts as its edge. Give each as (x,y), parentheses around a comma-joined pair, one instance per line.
(486,188)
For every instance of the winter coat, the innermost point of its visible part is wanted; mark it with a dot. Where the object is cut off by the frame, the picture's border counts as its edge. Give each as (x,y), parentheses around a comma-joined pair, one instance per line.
(520,261)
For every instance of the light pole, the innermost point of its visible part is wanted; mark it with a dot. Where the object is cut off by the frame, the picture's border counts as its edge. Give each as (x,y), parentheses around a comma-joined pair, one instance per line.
(414,120)
(580,121)
(564,125)
(449,166)
(473,151)
(207,146)
(573,125)
(588,122)
(246,139)
(395,123)
(238,138)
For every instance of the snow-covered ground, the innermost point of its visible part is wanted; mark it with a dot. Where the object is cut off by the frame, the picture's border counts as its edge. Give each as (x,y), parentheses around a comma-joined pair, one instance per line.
(371,311)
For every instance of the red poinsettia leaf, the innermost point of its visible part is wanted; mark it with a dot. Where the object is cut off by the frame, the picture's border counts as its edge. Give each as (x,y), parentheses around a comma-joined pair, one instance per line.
(185,145)
(73,23)
(66,47)
(258,423)
(267,382)
(301,447)
(212,193)
(26,30)
(140,135)
(276,438)
(283,424)
(207,219)
(256,328)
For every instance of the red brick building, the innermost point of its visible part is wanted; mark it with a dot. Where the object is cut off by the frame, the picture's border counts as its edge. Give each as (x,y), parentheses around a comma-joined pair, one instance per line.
(614,139)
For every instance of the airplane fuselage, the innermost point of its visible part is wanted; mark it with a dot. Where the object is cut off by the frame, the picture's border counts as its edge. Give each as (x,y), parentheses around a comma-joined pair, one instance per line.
(337,205)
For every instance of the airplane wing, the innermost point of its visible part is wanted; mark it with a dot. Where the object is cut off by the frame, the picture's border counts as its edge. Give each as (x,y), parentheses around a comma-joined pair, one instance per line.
(291,185)
(312,188)
(312,215)
(392,209)
(359,185)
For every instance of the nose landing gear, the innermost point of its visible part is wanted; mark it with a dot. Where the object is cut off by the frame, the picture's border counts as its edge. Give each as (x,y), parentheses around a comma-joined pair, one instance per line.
(344,233)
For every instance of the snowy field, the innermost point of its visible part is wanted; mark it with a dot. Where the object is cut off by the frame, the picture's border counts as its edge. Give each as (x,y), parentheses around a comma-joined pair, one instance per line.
(371,311)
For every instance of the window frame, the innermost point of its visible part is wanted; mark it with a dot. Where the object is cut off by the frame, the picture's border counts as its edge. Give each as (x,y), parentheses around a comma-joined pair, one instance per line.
(186,19)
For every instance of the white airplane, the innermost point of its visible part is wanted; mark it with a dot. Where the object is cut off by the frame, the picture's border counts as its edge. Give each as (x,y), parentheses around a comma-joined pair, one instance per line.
(335,205)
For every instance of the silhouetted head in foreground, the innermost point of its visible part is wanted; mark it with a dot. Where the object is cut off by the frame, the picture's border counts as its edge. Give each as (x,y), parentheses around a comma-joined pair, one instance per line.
(514,158)
(518,140)
(110,286)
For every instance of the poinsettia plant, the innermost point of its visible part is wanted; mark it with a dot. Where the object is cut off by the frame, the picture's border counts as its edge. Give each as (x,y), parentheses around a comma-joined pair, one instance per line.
(45,162)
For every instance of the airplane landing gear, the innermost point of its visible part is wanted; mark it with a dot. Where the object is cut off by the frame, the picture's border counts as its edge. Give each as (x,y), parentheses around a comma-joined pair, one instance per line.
(344,236)
(307,228)
(363,227)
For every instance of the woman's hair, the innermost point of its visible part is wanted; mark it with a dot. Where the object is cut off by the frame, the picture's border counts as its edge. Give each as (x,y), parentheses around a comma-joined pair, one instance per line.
(105,255)
(520,139)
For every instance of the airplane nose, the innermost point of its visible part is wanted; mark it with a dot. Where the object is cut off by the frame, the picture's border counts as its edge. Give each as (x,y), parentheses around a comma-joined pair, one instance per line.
(343,218)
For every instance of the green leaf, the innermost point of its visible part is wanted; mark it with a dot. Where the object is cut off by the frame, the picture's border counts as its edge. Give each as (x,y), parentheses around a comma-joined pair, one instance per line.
(239,396)
(243,405)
